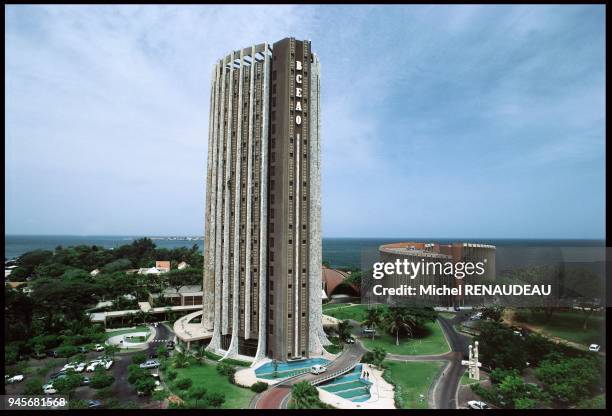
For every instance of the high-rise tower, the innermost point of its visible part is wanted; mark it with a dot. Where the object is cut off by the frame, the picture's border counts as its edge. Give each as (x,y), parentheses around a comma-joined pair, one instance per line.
(262,257)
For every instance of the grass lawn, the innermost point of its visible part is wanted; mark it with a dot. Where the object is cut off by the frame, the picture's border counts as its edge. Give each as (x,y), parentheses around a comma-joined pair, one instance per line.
(207,376)
(142,328)
(434,343)
(568,325)
(346,311)
(411,379)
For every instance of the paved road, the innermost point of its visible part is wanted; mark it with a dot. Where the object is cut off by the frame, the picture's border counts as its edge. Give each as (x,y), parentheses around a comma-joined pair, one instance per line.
(446,388)
(444,392)
(277,396)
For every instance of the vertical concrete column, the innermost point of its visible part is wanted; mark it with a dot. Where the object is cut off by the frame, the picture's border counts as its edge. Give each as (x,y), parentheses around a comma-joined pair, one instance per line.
(225,300)
(215,342)
(233,348)
(208,286)
(249,196)
(263,222)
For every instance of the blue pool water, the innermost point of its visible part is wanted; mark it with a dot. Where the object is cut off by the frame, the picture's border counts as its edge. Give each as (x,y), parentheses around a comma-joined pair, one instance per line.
(350,386)
(289,368)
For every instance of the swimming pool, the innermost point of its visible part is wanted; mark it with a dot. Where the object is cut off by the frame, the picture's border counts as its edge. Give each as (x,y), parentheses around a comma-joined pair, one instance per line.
(288,369)
(350,386)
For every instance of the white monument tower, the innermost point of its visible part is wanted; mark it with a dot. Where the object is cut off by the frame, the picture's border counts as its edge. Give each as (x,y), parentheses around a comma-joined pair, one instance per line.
(472,363)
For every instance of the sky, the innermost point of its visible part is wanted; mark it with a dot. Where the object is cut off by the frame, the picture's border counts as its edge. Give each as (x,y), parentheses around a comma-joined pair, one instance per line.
(437,121)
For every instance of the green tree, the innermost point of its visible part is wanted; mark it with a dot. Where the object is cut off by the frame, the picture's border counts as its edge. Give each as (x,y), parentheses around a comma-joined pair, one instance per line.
(344,329)
(399,321)
(145,385)
(111,349)
(139,358)
(200,355)
(373,320)
(305,395)
(65,386)
(101,379)
(570,379)
(493,312)
(180,360)
(500,347)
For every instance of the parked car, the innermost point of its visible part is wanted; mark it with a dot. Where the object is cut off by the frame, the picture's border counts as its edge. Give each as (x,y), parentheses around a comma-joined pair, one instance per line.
(150,364)
(52,353)
(170,345)
(77,367)
(457,308)
(94,404)
(86,381)
(49,389)
(594,347)
(476,404)
(350,340)
(15,379)
(92,365)
(98,348)
(57,374)
(83,349)
(39,355)
(318,369)
(107,364)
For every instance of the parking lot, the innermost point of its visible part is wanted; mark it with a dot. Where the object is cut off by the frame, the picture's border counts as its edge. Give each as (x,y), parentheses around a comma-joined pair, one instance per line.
(121,390)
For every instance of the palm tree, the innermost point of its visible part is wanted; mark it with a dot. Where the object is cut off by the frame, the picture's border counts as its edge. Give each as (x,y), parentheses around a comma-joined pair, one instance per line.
(144,316)
(305,395)
(200,354)
(180,360)
(398,320)
(373,319)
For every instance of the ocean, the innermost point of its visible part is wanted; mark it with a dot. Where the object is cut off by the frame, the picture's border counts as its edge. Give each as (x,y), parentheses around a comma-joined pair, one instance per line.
(339,252)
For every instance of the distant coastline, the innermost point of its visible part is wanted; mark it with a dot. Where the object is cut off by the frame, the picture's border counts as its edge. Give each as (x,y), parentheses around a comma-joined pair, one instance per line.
(339,252)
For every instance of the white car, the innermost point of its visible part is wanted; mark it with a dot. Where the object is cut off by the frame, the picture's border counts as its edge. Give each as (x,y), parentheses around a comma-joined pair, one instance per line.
(77,367)
(318,369)
(594,347)
(48,389)
(92,365)
(476,404)
(98,347)
(150,364)
(107,364)
(15,379)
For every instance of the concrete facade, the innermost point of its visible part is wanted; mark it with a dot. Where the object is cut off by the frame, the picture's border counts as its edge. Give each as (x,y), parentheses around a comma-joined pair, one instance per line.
(262,258)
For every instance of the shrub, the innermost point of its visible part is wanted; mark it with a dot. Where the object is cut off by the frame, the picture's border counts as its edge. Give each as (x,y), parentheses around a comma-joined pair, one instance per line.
(184,383)
(104,393)
(225,369)
(171,375)
(259,387)
(216,400)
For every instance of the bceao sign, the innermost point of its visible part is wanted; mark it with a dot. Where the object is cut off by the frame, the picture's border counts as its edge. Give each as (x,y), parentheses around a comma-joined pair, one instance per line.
(298,92)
